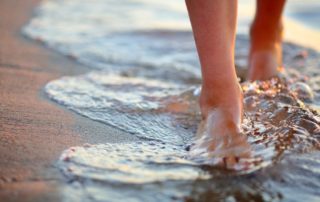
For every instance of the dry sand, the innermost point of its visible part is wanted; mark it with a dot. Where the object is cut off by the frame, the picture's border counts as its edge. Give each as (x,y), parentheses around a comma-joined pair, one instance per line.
(33,130)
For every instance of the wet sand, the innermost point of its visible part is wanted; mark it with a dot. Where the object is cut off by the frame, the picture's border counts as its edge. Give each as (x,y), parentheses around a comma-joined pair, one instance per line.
(33,130)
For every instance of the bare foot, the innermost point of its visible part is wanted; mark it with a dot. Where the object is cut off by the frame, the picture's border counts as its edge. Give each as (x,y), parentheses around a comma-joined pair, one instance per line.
(219,139)
(264,64)
(265,58)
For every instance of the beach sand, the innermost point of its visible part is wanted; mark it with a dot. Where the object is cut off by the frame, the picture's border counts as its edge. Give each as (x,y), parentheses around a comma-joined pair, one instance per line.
(33,130)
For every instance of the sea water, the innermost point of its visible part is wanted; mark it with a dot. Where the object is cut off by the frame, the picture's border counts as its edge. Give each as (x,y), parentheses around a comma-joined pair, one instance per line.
(145,81)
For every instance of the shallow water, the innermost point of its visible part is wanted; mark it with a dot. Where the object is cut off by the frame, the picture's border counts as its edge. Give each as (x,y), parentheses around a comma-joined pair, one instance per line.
(146,82)
(283,134)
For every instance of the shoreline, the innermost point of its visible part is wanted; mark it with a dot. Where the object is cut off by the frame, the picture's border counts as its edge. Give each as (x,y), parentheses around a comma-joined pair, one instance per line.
(33,129)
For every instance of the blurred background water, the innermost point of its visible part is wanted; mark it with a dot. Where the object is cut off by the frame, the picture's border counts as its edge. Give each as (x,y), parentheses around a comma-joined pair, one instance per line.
(152,33)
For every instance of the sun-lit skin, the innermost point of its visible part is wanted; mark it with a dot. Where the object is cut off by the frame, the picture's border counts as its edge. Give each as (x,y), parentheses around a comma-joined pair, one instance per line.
(214,28)
(265,59)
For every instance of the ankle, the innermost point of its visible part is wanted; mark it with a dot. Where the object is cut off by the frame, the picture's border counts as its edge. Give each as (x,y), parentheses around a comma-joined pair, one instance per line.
(265,36)
(227,98)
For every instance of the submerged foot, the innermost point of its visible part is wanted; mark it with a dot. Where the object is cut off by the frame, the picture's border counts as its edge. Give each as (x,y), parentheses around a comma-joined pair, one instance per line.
(219,139)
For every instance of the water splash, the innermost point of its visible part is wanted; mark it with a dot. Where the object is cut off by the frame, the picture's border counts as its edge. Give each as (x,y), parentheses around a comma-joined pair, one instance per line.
(280,129)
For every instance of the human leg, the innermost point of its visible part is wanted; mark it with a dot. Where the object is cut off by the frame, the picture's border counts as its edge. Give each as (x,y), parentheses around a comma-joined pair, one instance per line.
(214,25)
(265,58)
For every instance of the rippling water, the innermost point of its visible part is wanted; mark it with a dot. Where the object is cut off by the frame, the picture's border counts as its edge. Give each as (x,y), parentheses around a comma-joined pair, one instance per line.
(146,82)
(283,133)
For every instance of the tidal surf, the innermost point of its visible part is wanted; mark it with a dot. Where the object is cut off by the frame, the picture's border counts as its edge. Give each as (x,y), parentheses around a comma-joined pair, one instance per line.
(145,81)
